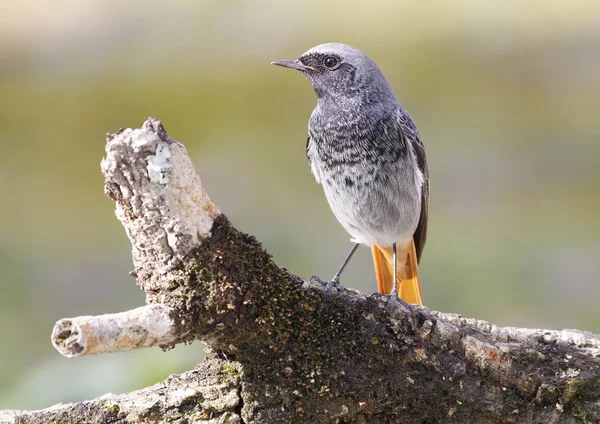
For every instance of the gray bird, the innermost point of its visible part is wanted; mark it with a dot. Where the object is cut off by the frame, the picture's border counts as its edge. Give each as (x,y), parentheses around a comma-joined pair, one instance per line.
(365,150)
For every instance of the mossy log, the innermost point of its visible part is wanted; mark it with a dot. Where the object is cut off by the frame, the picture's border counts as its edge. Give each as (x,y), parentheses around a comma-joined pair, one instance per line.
(285,350)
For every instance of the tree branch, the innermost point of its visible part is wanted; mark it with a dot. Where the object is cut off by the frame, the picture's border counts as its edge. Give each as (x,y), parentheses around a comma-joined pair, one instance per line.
(208,394)
(298,354)
(150,325)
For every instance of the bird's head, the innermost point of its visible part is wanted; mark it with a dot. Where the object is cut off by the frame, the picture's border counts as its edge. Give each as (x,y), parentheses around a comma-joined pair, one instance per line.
(341,72)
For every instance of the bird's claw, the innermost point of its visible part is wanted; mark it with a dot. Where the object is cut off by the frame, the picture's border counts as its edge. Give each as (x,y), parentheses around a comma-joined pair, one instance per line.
(329,284)
(393,299)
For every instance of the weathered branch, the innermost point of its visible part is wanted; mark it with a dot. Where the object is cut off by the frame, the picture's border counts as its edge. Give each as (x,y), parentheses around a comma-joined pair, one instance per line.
(299,354)
(208,394)
(150,325)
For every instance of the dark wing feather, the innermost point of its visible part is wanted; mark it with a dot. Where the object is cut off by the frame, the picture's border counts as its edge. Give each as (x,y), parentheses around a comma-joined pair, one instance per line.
(411,135)
(421,232)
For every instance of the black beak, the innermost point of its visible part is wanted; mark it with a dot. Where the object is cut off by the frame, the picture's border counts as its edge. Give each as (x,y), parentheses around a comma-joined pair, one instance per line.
(293,64)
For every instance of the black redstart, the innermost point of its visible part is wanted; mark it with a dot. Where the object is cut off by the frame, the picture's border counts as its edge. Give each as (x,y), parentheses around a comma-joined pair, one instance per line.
(365,150)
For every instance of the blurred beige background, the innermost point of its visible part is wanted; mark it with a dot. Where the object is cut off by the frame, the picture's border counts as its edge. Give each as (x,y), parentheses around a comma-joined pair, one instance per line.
(505,94)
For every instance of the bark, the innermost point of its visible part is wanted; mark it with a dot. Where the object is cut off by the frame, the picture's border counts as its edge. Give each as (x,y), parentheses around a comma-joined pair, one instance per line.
(146,326)
(295,353)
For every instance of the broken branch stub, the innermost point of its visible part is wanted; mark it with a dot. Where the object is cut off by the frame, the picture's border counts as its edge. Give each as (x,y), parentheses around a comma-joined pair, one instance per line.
(160,200)
(150,325)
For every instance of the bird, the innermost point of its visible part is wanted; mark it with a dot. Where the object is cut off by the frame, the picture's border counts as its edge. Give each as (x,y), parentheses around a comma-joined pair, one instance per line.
(366,152)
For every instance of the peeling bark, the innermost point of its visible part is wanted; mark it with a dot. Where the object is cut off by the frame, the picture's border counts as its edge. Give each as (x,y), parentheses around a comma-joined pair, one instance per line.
(301,355)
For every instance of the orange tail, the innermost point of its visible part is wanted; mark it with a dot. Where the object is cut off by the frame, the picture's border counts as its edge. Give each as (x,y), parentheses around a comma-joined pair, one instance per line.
(409,284)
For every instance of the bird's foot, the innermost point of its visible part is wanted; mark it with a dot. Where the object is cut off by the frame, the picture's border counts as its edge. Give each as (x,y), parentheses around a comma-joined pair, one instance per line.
(334,283)
(393,299)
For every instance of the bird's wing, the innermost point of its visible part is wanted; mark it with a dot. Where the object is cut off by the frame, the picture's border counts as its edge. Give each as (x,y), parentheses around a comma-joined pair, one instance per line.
(412,137)
(421,231)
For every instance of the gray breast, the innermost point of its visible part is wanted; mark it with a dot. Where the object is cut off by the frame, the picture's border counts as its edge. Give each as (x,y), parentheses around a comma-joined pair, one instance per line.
(369,175)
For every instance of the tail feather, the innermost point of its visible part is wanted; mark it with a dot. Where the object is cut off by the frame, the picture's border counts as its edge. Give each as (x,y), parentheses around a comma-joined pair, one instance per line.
(383,272)
(409,284)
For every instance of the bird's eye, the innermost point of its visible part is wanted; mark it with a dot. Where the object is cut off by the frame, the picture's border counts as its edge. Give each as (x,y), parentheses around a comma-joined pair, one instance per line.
(330,62)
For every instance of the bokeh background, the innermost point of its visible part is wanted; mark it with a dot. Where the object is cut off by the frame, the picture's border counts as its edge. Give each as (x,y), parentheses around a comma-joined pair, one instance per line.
(505,94)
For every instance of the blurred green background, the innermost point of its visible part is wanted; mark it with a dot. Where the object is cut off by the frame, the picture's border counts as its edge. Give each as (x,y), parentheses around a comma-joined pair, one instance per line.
(505,94)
